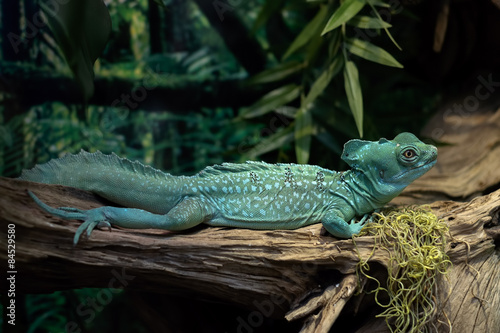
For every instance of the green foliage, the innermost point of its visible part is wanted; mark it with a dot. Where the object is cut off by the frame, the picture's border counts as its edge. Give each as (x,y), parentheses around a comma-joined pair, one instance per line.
(321,49)
(76,310)
(177,143)
(271,101)
(277,73)
(318,53)
(371,52)
(368,22)
(81,29)
(49,130)
(308,33)
(354,95)
(347,10)
(132,14)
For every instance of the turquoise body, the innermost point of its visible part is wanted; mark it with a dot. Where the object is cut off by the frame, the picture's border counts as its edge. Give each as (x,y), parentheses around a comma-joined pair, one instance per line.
(254,195)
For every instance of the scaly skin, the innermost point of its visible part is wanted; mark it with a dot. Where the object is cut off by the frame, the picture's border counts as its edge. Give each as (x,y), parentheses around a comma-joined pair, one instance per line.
(252,195)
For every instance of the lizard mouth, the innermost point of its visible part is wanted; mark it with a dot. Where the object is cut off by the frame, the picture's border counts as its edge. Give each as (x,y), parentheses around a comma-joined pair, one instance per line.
(432,160)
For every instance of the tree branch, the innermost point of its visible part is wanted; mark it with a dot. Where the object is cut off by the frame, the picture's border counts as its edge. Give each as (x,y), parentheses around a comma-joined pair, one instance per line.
(280,268)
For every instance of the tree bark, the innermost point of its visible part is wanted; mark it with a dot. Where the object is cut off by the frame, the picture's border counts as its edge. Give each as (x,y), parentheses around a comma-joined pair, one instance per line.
(283,269)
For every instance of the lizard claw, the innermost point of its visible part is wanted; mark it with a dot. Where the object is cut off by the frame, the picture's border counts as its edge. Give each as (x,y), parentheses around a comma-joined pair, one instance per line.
(92,218)
(357,226)
(90,224)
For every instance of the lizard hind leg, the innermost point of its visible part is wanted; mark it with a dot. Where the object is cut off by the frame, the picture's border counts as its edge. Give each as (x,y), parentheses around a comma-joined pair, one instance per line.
(186,214)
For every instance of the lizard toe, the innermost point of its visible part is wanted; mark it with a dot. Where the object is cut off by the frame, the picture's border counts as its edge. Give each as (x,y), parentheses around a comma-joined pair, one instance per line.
(93,218)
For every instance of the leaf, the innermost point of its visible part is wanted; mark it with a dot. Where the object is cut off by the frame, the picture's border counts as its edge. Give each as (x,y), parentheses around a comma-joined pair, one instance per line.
(371,52)
(323,80)
(380,3)
(276,73)
(354,94)
(367,22)
(271,101)
(81,30)
(195,56)
(373,3)
(303,131)
(344,13)
(310,30)
(272,142)
(287,111)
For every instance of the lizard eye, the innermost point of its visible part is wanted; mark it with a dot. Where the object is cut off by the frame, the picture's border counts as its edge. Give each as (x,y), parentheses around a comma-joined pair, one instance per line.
(409,155)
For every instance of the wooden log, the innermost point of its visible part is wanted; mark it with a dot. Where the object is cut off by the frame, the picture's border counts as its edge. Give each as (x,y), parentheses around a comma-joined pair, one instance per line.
(275,269)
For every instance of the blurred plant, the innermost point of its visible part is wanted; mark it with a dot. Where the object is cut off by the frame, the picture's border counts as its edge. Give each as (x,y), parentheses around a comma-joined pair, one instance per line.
(176,143)
(131,14)
(81,30)
(65,311)
(52,129)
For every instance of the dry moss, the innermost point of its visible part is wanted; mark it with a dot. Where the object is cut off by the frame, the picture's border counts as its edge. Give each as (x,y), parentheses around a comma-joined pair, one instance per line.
(416,241)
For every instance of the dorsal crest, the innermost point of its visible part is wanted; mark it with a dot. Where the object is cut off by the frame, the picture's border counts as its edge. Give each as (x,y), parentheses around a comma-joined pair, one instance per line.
(51,171)
(225,168)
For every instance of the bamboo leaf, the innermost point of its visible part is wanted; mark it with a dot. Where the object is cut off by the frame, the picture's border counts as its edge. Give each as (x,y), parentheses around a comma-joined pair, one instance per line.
(374,3)
(276,73)
(347,10)
(287,111)
(303,132)
(354,94)
(272,142)
(380,3)
(367,22)
(371,52)
(323,80)
(310,30)
(271,101)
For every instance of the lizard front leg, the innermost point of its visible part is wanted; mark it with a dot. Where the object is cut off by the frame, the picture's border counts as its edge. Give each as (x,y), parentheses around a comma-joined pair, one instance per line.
(335,224)
(186,214)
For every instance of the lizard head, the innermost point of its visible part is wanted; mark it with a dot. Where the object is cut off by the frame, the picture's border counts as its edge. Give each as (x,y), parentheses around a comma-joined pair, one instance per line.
(390,165)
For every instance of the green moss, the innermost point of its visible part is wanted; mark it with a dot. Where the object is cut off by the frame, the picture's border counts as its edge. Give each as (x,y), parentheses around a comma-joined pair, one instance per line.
(416,241)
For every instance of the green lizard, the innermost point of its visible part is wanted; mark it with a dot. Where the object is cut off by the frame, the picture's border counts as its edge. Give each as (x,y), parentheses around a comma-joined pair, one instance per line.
(254,195)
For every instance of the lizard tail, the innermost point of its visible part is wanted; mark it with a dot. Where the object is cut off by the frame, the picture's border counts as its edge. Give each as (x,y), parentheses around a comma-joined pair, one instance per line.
(120,180)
